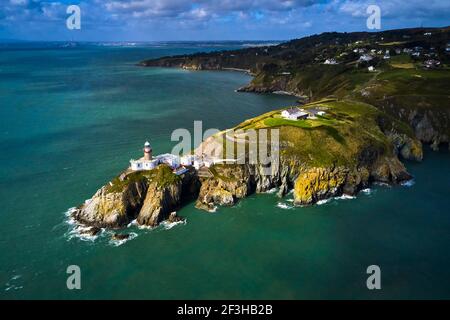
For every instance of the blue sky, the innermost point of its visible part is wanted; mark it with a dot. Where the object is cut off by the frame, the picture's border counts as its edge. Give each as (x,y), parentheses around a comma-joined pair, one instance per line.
(156,20)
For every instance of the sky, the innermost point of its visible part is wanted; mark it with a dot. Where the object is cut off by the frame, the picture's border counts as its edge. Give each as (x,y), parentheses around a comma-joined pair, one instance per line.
(186,20)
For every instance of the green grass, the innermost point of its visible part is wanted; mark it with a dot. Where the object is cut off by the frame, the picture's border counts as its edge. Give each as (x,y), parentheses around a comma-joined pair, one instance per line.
(162,175)
(336,138)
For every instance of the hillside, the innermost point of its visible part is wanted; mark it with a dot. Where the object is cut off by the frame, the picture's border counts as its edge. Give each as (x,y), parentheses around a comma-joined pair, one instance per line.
(352,145)
(408,77)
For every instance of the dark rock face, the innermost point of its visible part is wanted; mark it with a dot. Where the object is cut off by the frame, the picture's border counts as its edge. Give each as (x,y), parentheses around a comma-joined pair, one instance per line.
(159,203)
(430,125)
(173,217)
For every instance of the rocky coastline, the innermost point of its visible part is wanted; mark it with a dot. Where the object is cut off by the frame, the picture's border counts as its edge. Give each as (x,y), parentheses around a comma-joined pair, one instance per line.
(152,197)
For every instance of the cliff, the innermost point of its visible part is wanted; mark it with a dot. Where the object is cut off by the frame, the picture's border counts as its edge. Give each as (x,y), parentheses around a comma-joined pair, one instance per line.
(150,197)
(353,147)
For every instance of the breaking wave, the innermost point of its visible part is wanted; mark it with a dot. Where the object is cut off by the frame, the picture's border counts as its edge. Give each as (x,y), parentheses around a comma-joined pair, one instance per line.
(120,242)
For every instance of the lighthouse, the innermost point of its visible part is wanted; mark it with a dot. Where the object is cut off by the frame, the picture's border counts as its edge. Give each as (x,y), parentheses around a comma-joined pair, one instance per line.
(147,151)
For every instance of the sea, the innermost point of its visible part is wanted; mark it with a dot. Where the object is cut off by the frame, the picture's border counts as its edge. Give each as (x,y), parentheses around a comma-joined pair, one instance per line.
(72,115)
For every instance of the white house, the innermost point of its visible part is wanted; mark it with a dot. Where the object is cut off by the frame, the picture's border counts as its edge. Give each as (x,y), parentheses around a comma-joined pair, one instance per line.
(371,69)
(197,163)
(142,164)
(330,61)
(188,160)
(171,160)
(294,114)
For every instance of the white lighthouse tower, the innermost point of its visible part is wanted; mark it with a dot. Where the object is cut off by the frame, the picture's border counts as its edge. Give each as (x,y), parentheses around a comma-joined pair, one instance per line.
(147,151)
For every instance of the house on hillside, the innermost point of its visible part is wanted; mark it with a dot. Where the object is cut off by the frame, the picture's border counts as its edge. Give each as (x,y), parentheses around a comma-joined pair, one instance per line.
(330,61)
(294,114)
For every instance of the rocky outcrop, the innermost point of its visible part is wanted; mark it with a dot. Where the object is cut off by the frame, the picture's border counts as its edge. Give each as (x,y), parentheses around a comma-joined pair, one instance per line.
(230,182)
(159,203)
(113,209)
(149,199)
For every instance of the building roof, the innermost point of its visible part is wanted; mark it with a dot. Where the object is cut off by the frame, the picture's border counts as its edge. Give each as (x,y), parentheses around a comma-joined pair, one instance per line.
(292,111)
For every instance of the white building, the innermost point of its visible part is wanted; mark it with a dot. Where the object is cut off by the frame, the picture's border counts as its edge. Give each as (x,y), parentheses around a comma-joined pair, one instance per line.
(294,114)
(141,164)
(188,160)
(171,160)
(330,61)
(148,162)
(371,69)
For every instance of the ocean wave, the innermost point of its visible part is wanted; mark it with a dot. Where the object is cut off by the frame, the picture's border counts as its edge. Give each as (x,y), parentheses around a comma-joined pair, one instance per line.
(342,197)
(285,206)
(408,183)
(382,184)
(169,225)
(323,201)
(77,230)
(366,191)
(273,190)
(345,197)
(120,242)
(13,286)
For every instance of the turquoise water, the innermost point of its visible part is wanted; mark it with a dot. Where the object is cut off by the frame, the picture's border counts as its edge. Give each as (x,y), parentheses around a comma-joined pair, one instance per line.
(71,118)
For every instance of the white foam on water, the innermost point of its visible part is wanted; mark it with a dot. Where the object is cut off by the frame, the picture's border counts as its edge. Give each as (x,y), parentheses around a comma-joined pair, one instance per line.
(81,232)
(273,190)
(169,225)
(345,197)
(323,201)
(408,183)
(12,286)
(213,209)
(366,191)
(144,227)
(78,230)
(382,184)
(132,223)
(290,200)
(117,243)
(285,206)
